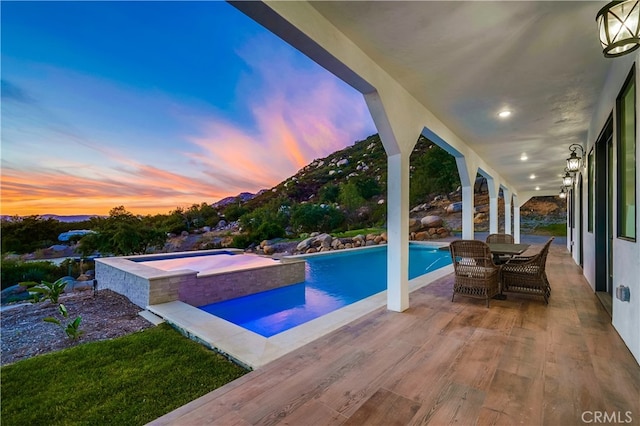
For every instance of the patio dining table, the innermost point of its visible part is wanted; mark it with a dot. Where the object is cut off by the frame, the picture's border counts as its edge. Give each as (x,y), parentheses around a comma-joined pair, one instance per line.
(507,248)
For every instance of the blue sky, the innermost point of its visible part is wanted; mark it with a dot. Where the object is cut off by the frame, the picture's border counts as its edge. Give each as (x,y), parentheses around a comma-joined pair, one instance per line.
(155,105)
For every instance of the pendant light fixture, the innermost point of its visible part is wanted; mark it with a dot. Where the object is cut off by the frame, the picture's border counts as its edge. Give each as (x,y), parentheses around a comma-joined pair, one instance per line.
(619,27)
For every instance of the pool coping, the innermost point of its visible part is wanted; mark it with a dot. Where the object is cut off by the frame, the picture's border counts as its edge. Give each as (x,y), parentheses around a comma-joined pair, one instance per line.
(253,350)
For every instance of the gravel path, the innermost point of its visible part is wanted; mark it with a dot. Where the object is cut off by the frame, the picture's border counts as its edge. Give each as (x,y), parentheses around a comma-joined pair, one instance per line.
(105,315)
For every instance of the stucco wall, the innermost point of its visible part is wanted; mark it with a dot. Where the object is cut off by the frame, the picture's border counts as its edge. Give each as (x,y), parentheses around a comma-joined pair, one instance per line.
(626,254)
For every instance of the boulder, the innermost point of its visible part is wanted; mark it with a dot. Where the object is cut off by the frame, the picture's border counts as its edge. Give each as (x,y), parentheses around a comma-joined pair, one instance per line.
(14,293)
(268,250)
(305,244)
(312,250)
(431,221)
(454,207)
(414,225)
(370,243)
(342,162)
(421,236)
(482,209)
(480,217)
(325,240)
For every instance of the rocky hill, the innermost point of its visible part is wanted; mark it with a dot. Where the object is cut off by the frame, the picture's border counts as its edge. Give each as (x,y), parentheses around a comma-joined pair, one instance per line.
(365,162)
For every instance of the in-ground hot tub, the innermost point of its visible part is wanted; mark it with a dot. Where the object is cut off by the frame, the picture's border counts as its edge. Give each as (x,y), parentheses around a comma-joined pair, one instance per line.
(197,278)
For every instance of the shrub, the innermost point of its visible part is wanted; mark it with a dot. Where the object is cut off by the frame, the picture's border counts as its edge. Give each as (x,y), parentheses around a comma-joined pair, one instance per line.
(14,271)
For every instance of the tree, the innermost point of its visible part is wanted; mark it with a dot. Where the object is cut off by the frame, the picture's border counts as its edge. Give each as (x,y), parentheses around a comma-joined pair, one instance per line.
(314,217)
(350,199)
(29,233)
(329,193)
(367,187)
(434,172)
(122,234)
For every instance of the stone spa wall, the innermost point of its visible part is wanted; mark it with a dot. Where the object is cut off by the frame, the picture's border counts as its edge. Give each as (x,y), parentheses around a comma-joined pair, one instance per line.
(145,285)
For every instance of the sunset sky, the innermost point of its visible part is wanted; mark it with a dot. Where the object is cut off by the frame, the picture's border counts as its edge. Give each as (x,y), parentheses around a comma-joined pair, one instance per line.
(155,105)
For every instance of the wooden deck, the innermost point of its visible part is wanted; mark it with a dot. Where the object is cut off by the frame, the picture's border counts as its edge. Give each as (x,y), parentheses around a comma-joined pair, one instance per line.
(518,362)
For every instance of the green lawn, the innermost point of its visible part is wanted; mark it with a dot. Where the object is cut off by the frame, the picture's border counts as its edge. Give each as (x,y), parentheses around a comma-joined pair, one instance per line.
(126,381)
(363,231)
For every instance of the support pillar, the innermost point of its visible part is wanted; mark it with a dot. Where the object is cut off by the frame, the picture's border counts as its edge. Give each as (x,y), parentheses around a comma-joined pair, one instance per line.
(398,232)
(507,210)
(467,171)
(493,205)
(399,127)
(516,223)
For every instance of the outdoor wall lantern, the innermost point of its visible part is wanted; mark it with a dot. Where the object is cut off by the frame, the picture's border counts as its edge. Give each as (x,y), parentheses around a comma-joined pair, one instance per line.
(574,162)
(567,179)
(563,193)
(618,27)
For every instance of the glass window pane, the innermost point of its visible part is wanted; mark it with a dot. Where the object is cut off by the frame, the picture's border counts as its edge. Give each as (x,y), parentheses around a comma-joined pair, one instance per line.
(626,161)
(590,189)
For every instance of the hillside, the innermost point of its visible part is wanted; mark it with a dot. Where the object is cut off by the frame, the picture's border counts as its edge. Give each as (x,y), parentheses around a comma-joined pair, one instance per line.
(434,185)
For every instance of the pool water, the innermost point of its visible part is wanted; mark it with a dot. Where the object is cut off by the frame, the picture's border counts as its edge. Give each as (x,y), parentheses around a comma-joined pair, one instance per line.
(332,282)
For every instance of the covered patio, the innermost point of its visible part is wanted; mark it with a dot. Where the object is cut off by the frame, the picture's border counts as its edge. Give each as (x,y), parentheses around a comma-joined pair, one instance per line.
(509,89)
(443,362)
(448,71)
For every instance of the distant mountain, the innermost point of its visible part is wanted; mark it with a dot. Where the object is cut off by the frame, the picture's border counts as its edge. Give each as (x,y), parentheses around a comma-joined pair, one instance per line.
(60,218)
(243,197)
(70,218)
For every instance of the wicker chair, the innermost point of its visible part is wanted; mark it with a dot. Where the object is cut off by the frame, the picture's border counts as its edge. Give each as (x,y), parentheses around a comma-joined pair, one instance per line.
(475,273)
(500,238)
(526,274)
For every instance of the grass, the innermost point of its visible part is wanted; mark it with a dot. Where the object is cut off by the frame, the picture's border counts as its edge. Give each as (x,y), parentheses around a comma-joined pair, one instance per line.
(131,380)
(363,231)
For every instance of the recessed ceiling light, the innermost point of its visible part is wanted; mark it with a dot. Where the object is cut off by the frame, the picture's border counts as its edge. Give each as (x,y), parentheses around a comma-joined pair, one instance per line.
(537,188)
(504,113)
(524,157)
(532,176)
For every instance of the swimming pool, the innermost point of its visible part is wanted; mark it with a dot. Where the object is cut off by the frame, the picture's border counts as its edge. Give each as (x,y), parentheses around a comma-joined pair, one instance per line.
(332,282)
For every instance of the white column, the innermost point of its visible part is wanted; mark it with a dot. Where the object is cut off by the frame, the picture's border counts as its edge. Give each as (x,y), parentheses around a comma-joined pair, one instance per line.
(399,127)
(467,170)
(493,205)
(398,232)
(516,220)
(467,212)
(507,211)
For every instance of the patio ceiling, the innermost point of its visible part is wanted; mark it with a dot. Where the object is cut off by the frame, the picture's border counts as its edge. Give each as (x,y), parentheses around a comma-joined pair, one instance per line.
(467,60)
